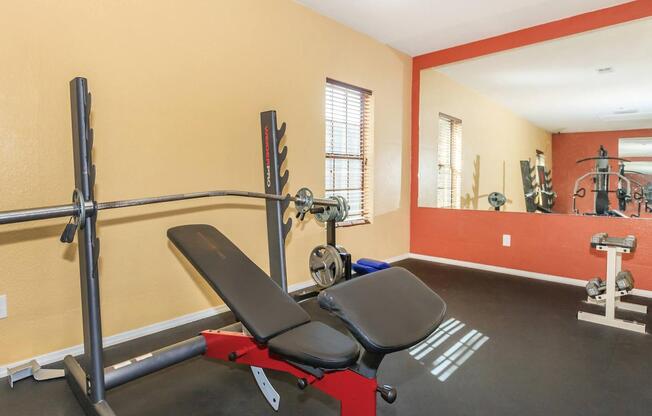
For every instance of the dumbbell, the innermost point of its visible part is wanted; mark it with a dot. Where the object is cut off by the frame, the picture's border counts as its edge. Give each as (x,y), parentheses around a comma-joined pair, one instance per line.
(624,280)
(595,287)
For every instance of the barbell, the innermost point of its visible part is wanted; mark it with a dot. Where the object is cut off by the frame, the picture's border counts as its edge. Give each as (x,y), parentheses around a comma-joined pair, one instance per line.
(332,208)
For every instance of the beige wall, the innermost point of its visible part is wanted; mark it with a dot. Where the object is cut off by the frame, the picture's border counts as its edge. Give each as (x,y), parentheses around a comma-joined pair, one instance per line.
(177,91)
(491,134)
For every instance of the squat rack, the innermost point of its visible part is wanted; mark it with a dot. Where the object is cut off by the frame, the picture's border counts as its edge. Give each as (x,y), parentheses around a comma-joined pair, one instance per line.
(90,385)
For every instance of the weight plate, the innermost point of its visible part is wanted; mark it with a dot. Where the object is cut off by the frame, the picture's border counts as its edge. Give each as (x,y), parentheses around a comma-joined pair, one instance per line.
(496,199)
(328,214)
(78,200)
(304,200)
(342,208)
(325,265)
(334,213)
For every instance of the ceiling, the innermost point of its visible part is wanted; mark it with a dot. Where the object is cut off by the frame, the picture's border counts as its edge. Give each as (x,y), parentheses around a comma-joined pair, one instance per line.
(595,81)
(416,27)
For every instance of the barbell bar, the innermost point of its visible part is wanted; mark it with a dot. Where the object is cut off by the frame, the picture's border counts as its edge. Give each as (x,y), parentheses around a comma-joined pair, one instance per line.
(89,208)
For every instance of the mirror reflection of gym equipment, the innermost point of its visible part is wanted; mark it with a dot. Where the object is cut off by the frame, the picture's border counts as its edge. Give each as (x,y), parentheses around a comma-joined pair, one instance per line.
(537,185)
(305,207)
(627,190)
(529,130)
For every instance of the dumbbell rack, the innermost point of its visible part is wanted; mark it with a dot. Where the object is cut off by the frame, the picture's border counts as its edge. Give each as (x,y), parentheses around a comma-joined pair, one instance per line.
(611,299)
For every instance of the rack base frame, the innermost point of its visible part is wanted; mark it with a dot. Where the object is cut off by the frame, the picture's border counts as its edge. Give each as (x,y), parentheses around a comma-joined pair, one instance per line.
(615,322)
(612,322)
(355,392)
(619,304)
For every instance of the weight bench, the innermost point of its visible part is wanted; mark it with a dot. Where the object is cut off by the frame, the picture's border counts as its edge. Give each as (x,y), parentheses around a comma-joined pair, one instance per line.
(388,311)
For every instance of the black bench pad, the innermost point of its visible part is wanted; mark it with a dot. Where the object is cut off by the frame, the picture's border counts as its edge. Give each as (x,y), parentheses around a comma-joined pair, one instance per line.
(387,311)
(259,303)
(317,345)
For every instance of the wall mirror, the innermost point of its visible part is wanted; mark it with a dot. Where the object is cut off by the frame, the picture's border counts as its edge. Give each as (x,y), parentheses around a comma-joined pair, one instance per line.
(563,126)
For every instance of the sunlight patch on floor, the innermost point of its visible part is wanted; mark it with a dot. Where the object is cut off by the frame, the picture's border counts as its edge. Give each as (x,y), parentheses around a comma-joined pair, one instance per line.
(455,356)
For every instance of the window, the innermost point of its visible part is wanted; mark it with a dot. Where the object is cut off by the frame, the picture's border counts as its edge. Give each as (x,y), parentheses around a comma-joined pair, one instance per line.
(541,158)
(540,178)
(449,162)
(348,135)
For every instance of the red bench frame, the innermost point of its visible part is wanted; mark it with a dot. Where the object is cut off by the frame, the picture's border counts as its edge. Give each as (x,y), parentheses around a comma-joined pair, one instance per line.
(356,393)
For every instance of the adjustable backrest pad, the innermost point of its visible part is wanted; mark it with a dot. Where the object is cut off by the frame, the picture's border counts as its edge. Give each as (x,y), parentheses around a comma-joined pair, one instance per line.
(259,303)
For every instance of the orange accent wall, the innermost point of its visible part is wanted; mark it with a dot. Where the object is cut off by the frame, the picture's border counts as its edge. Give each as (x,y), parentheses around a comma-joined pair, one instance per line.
(568,148)
(552,244)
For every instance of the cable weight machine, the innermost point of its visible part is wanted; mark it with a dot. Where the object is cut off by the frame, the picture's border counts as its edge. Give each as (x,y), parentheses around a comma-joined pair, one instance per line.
(600,176)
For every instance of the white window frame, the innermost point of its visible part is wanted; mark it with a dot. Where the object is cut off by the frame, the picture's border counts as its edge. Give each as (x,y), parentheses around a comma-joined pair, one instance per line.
(341,152)
(449,162)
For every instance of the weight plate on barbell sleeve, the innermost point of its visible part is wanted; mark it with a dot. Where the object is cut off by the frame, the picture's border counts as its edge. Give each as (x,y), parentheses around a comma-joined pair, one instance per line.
(342,208)
(304,200)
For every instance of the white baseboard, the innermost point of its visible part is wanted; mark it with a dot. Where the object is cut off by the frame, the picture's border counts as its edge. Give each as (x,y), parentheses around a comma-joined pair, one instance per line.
(515,272)
(55,356)
(397,258)
(59,355)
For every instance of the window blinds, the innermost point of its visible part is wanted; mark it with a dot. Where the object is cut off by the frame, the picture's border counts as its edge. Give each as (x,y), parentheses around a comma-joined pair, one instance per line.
(348,134)
(449,162)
